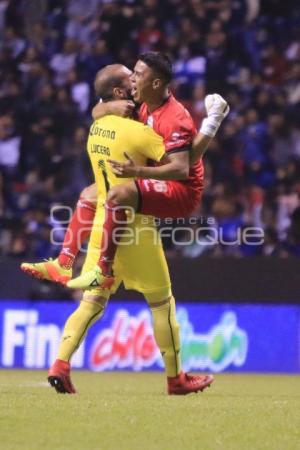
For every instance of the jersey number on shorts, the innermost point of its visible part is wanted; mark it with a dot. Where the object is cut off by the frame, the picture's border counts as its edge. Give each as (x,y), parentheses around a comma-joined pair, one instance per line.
(158,186)
(102,167)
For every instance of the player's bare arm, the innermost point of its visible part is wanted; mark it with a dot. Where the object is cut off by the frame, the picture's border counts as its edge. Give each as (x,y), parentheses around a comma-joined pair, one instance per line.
(174,167)
(122,108)
(200,145)
(217,109)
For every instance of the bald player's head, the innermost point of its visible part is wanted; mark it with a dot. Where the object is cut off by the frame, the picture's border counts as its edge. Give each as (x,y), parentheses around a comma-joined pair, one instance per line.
(113,83)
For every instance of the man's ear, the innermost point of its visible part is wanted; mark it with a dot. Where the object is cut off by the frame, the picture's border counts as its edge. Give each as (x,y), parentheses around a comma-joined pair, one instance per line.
(118,93)
(156,84)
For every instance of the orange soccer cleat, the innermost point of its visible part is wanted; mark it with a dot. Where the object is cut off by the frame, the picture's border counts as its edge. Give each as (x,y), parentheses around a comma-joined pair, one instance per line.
(48,270)
(185,384)
(59,377)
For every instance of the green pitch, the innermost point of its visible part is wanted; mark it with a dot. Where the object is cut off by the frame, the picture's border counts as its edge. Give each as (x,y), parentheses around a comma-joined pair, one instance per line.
(131,412)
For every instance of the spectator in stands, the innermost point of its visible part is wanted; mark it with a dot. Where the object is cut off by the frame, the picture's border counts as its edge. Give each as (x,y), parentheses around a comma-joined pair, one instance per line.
(248,51)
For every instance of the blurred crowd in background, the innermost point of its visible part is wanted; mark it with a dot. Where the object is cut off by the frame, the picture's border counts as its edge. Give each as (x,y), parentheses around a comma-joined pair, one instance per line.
(246,50)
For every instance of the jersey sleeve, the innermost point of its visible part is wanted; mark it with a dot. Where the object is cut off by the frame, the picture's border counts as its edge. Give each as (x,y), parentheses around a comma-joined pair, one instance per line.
(142,115)
(178,132)
(151,144)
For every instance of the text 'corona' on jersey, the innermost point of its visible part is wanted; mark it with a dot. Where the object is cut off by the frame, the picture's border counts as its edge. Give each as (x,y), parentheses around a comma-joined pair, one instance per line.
(96,130)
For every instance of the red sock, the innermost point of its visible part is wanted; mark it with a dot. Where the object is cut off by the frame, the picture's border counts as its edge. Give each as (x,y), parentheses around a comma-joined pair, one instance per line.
(115,218)
(78,231)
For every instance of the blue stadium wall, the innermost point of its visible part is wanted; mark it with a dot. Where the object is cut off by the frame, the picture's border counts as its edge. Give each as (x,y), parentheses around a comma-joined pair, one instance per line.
(215,338)
(235,315)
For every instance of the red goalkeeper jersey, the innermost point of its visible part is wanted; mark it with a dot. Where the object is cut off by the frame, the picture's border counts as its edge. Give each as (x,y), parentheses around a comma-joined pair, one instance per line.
(174,123)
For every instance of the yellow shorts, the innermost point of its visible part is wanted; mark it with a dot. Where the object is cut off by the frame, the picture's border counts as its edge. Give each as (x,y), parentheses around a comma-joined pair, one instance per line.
(140,261)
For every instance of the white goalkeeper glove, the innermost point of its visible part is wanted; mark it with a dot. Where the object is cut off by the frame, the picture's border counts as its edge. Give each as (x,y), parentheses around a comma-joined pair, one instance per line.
(217,109)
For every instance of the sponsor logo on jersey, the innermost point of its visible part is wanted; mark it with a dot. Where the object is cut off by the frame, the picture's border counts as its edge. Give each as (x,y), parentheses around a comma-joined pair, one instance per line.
(150,121)
(175,136)
(96,130)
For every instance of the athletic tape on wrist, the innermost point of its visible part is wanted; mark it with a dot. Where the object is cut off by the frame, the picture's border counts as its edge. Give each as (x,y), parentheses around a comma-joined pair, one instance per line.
(210,126)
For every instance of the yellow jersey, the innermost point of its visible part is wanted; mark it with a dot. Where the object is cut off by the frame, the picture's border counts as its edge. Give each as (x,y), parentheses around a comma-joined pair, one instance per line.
(110,137)
(140,262)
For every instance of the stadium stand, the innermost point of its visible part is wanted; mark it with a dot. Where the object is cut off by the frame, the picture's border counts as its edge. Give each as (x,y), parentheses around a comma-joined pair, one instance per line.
(248,51)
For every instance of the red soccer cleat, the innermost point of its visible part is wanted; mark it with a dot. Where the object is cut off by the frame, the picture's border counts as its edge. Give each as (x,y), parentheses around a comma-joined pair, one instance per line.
(59,377)
(185,384)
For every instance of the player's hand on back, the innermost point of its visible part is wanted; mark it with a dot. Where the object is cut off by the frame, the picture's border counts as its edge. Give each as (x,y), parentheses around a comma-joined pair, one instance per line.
(126,169)
(122,108)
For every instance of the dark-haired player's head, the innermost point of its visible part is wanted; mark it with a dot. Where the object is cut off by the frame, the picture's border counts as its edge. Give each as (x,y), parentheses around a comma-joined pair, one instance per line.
(113,82)
(151,77)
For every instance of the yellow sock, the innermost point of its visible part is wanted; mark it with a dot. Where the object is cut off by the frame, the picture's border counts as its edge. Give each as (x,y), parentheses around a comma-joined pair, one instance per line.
(166,332)
(77,326)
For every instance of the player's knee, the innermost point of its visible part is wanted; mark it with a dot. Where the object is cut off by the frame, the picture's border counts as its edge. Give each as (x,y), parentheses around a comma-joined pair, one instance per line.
(97,299)
(160,313)
(118,195)
(89,194)
(124,195)
(164,312)
(159,296)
